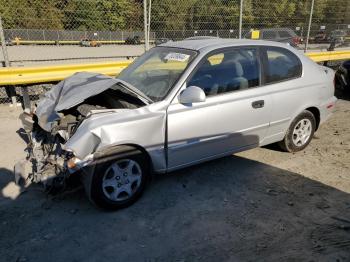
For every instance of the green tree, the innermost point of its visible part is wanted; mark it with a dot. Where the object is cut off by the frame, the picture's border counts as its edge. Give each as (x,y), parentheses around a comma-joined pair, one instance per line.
(82,15)
(102,15)
(216,14)
(171,15)
(336,11)
(31,14)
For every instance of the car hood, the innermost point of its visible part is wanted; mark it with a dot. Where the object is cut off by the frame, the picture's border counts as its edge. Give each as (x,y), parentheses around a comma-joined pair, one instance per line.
(71,92)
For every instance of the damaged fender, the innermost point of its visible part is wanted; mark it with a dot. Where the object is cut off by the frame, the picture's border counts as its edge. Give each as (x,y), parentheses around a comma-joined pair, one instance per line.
(131,127)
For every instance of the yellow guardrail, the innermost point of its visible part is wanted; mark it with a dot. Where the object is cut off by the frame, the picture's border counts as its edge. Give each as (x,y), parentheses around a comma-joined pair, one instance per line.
(329,56)
(45,74)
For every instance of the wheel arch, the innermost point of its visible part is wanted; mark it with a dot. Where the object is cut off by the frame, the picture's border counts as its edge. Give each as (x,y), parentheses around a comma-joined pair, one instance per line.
(286,144)
(110,152)
(316,112)
(92,181)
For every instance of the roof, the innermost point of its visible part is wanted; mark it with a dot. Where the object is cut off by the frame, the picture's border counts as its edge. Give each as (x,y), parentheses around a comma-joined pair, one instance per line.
(215,43)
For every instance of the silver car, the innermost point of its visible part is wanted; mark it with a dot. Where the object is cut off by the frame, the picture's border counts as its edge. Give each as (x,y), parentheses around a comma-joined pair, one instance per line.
(179,104)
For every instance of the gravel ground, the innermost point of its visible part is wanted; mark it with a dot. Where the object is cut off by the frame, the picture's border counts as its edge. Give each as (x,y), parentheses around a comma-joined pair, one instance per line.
(258,205)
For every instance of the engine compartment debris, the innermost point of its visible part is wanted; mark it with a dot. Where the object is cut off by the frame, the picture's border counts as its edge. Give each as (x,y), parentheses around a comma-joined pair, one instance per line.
(57,116)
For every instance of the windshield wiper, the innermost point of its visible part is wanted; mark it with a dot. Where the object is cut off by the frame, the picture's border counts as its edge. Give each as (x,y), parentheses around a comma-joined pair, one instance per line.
(139,94)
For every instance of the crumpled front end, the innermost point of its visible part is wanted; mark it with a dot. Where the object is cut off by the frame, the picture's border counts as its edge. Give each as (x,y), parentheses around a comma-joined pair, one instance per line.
(46,161)
(57,117)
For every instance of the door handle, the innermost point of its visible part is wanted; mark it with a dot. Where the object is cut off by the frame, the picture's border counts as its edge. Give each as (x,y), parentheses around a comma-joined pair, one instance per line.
(258,104)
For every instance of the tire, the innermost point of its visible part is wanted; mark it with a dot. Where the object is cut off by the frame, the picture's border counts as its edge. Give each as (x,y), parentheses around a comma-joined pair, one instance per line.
(118,183)
(300,133)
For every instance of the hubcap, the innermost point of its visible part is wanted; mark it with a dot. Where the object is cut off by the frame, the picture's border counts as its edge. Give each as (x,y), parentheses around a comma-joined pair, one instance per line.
(302,132)
(121,179)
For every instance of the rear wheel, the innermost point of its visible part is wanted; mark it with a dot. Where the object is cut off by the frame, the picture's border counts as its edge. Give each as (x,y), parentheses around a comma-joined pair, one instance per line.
(300,132)
(120,182)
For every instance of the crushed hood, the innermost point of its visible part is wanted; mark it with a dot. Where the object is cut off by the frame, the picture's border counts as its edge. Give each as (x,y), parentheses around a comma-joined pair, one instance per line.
(73,91)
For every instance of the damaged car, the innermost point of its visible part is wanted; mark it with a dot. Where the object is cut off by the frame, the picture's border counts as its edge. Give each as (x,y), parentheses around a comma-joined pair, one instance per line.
(179,104)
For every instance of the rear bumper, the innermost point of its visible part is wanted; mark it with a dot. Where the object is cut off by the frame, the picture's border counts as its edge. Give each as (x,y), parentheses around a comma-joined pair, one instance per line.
(327,109)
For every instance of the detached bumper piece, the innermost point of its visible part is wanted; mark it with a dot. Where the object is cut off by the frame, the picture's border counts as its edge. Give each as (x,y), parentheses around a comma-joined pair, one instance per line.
(52,180)
(22,170)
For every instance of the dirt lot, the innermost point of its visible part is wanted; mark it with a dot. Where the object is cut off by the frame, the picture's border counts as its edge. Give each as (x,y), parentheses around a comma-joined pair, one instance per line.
(259,205)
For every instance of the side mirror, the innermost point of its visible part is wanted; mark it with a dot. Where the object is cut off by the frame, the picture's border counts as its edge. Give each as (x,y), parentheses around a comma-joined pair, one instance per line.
(192,94)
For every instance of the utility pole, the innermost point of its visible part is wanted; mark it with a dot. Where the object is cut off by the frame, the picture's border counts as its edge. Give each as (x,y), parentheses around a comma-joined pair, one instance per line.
(145,23)
(149,21)
(309,26)
(240,19)
(10,90)
(3,46)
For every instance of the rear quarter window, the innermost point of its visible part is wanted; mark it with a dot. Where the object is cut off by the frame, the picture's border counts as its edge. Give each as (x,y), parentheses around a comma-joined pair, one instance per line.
(281,65)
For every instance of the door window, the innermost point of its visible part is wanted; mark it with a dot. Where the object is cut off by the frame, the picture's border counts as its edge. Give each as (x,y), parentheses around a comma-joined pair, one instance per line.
(227,71)
(282,65)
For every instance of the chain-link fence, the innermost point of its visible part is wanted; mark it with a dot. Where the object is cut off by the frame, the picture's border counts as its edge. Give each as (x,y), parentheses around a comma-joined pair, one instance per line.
(59,31)
(61,36)
(45,32)
(34,92)
(279,20)
(191,18)
(56,31)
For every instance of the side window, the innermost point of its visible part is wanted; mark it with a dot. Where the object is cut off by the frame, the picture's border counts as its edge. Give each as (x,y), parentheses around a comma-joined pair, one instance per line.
(269,35)
(282,65)
(227,71)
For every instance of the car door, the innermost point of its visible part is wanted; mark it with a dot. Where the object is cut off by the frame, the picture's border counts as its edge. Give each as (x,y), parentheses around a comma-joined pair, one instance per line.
(289,91)
(234,116)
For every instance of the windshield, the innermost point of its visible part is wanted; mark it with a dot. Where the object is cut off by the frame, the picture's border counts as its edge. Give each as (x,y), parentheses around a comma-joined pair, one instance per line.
(155,72)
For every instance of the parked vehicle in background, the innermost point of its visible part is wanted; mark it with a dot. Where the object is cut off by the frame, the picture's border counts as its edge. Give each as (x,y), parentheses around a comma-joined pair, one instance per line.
(160,41)
(321,37)
(343,77)
(89,43)
(136,40)
(177,105)
(284,35)
(338,36)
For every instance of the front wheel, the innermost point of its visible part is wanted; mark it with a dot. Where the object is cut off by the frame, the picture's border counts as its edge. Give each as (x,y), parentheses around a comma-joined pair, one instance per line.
(300,133)
(119,183)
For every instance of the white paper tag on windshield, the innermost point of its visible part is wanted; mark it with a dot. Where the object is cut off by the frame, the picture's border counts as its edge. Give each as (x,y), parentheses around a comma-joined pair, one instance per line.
(177,57)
